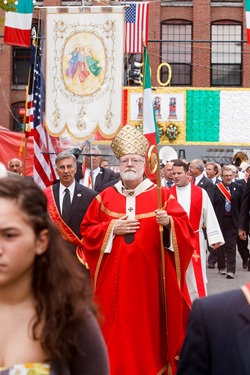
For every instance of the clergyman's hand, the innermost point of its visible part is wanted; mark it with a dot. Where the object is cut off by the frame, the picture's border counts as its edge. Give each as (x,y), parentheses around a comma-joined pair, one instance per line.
(124,225)
(162,217)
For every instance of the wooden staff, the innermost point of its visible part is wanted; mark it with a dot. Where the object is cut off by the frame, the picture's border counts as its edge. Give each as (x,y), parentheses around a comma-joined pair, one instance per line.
(153,164)
(154,167)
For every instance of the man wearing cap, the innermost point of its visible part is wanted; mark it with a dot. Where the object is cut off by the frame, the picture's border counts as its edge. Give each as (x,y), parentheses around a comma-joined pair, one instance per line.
(121,239)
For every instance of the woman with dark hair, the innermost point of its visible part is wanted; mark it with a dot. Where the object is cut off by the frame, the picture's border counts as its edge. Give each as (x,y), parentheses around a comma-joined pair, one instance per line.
(47,324)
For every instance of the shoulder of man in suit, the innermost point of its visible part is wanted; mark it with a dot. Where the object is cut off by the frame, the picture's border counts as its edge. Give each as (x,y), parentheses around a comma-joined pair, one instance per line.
(106,171)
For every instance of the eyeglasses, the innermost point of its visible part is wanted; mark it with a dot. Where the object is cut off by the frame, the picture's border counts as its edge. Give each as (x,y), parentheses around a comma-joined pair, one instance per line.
(63,167)
(132,161)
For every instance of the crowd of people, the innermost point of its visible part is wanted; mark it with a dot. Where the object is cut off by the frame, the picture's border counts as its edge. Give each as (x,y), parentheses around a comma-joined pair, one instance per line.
(99,272)
(227,187)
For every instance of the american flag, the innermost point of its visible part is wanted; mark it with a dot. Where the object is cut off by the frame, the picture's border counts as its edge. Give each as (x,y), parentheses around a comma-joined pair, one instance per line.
(136,19)
(44,144)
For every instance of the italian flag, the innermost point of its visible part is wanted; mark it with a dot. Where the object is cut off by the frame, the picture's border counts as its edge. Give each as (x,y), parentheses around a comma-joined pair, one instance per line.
(247,5)
(149,121)
(218,116)
(17,27)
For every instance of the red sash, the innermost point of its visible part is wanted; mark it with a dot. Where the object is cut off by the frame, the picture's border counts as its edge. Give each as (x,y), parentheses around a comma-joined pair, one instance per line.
(224,191)
(64,229)
(194,218)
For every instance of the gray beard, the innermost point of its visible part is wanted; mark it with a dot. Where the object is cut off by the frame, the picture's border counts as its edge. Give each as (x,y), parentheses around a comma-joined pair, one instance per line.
(131,175)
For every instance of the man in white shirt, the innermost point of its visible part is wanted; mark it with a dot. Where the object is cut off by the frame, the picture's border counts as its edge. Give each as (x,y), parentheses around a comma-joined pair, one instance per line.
(199,209)
(167,179)
(92,175)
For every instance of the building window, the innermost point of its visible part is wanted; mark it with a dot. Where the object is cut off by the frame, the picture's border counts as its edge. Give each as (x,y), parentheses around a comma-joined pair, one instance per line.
(226,55)
(74,2)
(22,61)
(18,111)
(177,51)
(21,64)
(227,1)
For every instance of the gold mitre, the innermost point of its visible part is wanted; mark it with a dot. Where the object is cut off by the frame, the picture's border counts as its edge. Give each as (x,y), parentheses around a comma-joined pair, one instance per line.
(129,140)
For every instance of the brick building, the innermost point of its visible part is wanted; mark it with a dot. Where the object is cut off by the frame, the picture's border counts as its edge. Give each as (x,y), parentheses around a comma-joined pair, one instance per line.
(203,41)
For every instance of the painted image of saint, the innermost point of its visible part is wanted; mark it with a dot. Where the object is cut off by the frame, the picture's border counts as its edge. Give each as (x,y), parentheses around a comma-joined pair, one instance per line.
(84,69)
(140,107)
(157,106)
(83,63)
(172,108)
(73,62)
(92,63)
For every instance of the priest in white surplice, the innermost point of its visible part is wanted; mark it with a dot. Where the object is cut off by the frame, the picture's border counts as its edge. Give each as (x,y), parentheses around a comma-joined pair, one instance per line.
(198,206)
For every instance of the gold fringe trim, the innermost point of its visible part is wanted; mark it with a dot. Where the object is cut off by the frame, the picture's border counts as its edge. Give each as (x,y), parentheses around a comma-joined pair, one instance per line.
(110,227)
(176,253)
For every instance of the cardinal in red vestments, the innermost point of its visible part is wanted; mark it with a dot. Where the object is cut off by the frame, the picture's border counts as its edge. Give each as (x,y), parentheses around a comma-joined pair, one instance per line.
(144,314)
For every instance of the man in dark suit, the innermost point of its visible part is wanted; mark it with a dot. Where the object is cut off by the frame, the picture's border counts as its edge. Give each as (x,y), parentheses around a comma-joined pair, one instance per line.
(217,339)
(244,216)
(227,204)
(243,243)
(80,199)
(90,173)
(212,172)
(196,169)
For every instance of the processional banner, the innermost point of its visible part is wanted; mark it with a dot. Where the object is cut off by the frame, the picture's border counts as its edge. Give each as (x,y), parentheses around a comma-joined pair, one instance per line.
(84,71)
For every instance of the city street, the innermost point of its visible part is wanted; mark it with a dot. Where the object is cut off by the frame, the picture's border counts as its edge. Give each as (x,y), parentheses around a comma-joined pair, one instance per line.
(218,283)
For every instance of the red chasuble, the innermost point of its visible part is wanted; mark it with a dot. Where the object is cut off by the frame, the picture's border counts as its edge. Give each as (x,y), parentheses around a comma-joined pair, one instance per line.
(128,284)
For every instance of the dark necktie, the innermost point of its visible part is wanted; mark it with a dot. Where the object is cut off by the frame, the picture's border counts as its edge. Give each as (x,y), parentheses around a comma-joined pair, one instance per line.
(66,205)
(169,184)
(227,203)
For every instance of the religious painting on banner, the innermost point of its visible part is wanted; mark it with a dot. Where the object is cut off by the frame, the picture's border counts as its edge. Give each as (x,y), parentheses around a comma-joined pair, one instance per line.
(84,71)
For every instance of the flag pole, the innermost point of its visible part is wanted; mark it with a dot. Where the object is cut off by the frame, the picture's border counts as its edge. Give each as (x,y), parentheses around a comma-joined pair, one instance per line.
(153,163)
(154,167)
(24,120)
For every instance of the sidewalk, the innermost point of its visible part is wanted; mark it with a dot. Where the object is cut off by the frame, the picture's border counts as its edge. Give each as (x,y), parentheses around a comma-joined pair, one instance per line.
(218,283)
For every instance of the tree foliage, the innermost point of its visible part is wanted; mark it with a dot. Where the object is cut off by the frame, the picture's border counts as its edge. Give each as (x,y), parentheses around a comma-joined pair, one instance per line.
(10,5)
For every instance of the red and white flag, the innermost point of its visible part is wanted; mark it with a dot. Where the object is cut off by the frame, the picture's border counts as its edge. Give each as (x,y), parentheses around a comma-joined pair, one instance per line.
(136,19)
(149,120)
(44,144)
(247,7)
(17,27)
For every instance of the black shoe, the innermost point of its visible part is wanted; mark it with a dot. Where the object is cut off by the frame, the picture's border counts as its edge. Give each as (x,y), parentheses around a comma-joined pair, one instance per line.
(230,275)
(210,265)
(245,264)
